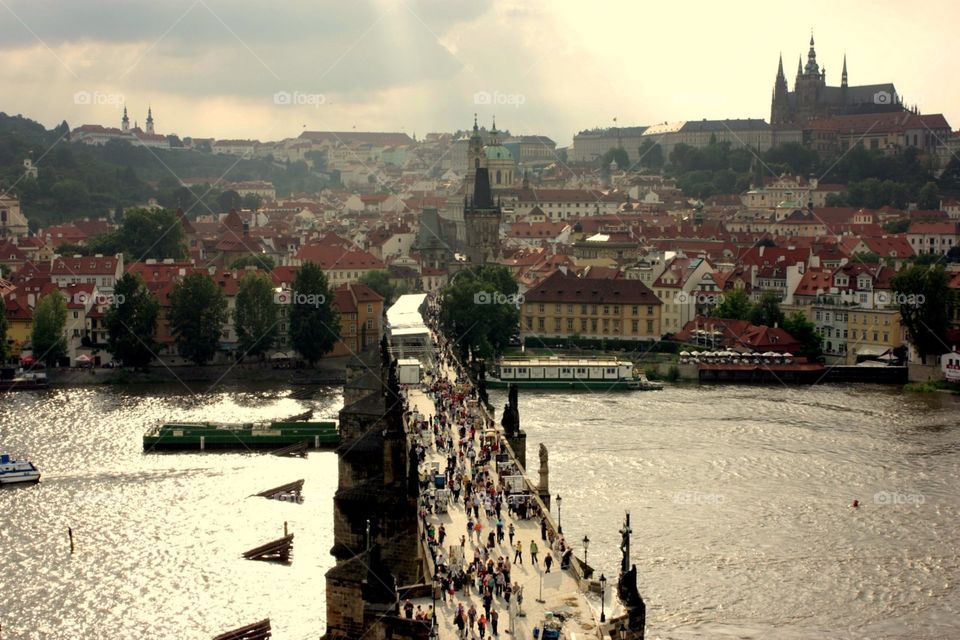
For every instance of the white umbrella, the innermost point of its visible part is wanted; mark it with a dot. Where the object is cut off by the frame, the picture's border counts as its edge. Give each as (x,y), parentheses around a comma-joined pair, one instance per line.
(684,353)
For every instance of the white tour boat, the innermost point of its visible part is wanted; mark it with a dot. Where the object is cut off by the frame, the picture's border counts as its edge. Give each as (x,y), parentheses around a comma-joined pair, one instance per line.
(13,471)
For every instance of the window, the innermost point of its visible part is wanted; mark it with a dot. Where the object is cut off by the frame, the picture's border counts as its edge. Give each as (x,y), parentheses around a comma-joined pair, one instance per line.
(540,308)
(635,310)
(540,323)
(558,307)
(570,308)
(369,323)
(649,310)
(606,309)
(583,324)
(606,325)
(583,309)
(650,327)
(593,325)
(593,310)
(556,325)
(569,324)
(634,326)
(529,322)
(369,308)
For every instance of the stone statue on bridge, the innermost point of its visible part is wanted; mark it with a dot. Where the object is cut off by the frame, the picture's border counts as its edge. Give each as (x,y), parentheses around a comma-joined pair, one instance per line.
(544,487)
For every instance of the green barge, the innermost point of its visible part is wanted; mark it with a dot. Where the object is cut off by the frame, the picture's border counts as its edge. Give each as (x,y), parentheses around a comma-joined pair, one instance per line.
(273,435)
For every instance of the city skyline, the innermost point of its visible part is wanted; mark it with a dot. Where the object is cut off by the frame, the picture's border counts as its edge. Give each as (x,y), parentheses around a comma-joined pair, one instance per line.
(210,69)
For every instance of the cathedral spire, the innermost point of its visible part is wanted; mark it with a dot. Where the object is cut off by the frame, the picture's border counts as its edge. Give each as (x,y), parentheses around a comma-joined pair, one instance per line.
(843,76)
(812,67)
(780,67)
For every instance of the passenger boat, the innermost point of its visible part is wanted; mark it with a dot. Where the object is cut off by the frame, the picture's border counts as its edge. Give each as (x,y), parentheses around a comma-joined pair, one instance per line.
(11,380)
(15,471)
(556,372)
(271,435)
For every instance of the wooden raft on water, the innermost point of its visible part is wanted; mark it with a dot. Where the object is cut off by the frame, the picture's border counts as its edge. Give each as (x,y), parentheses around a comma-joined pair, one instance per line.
(290,492)
(298,450)
(256,631)
(280,550)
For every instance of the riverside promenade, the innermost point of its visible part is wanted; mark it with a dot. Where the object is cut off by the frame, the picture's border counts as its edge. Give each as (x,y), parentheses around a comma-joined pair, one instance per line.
(479,456)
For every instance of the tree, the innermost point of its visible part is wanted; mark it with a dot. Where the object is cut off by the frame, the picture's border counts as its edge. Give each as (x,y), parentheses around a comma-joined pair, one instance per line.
(198,310)
(866,257)
(152,233)
(805,332)
(480,309)
(926,306)
(3,331)
(929,198)
(229,200)
(132,322)
(314,322)
(896,226)
(252,201)
(650,155)
(618,155)
(767,312)
(260,261)
(255,315)
(379,281)
(735,305)
(49,322)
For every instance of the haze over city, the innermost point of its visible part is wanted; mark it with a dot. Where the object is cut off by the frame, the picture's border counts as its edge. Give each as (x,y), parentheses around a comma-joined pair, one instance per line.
(210,68)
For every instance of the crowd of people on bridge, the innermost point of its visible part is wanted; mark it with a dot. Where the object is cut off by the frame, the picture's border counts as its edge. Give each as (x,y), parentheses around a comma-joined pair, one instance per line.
(477,560)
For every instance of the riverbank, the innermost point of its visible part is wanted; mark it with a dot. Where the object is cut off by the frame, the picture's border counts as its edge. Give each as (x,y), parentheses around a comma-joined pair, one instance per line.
(327,371)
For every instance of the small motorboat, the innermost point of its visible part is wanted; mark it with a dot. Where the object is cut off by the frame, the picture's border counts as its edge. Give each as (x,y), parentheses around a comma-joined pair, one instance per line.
(15,471)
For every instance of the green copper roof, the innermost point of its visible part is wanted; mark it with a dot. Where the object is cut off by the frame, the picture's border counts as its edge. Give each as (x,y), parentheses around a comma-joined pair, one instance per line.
(497,152)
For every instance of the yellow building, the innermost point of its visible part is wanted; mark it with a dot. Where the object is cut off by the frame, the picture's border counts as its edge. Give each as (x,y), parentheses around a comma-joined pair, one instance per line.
(872,332)
(19,325)
(361,318)
(564,306)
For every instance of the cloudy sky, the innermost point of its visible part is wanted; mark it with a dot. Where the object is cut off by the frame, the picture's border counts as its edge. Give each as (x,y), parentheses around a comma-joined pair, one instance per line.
(267,70)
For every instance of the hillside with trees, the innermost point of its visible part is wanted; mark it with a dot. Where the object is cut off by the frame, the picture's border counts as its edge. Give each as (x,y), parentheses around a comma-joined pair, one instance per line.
(79,180)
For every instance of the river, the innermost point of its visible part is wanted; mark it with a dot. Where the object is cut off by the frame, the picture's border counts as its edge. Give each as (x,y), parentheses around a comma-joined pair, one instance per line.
(740,499)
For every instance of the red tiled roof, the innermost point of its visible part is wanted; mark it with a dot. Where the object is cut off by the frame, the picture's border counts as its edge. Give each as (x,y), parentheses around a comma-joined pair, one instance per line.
(569,288)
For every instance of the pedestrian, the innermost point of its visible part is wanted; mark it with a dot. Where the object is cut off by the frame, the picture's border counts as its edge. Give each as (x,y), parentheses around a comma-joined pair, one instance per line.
(482,625)
(543,528)
(518,555)
(533,553)
(441,534)
(471,617)
(548,561)
(511,534)
(494,619)
(408,610)
(499,530)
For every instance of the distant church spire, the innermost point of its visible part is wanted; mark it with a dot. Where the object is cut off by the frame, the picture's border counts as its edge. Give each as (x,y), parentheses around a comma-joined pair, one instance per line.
(843,76)
(812,68)
(150,120)
(125,122)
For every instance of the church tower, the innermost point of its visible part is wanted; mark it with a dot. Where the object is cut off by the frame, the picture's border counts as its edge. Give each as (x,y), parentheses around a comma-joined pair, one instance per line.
(499,162)
(125,122)
(780,108)
(475,158)
(482,220)
(809,85)
(149,121)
